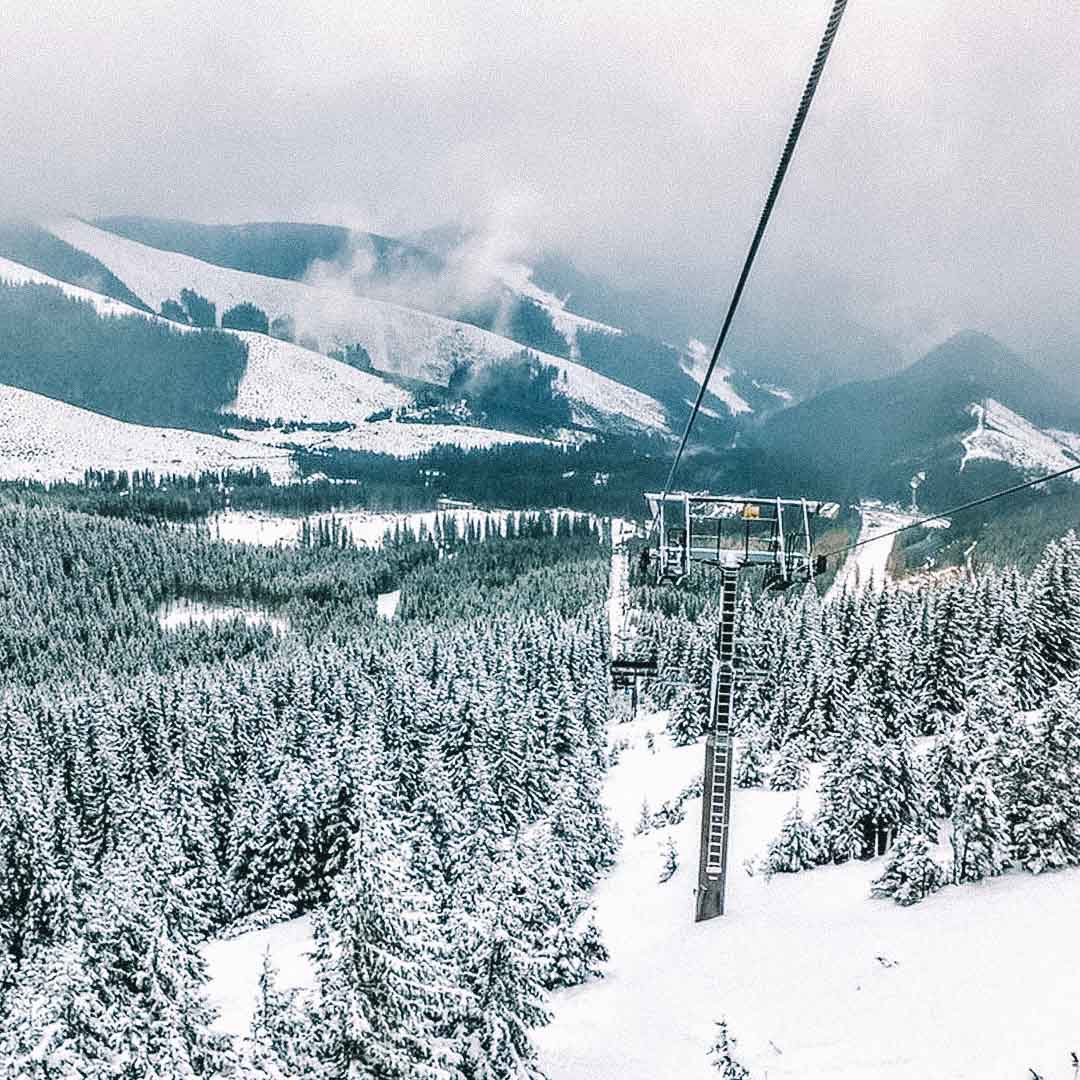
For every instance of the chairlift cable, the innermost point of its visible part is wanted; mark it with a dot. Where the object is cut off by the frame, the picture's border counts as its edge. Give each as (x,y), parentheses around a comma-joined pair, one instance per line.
(828,37)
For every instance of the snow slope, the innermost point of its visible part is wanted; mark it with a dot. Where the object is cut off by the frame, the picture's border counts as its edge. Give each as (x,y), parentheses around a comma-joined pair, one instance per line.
(1003,435)
(48,440)
(282,380)
(398,339)
(234,965)
(696,363)
(816,980)
(866,566)
(286,381)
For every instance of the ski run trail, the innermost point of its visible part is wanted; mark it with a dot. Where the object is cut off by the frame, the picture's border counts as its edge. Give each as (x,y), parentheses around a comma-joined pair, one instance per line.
(814,978)
(867,566)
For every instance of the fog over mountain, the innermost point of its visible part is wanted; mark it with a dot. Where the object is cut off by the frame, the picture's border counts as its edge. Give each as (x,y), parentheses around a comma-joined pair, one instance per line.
(931,192)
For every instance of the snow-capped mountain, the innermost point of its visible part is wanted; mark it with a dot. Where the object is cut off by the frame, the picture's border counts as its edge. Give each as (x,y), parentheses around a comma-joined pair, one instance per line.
(475,278)
(399,340)
(47,439)
(968,404)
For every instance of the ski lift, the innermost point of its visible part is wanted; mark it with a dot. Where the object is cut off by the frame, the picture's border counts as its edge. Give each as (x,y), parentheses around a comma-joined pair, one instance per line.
(736,532)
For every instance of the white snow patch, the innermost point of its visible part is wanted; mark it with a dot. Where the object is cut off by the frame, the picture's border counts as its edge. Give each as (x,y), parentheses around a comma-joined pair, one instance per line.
(786,396)
(47,440)
(186,612)
(387,604)
(234,966)
(1003,435)
(518,277)
(398,339)
(695,362)
(16,274)
(285,381)
(982,985)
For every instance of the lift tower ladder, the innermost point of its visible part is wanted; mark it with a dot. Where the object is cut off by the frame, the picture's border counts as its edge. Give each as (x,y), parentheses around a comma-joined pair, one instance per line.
(719,756)
(729,534)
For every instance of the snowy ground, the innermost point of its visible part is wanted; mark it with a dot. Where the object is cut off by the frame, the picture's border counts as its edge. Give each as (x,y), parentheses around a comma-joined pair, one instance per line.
(234,967)
(815,979)
(255,527)
(47,440)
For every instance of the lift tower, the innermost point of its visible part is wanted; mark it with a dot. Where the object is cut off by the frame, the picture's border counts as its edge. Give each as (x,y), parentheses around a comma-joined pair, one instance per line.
(729,534)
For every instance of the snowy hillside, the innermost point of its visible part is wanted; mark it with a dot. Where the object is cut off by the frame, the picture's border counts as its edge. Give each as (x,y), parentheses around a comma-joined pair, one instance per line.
(398,339)
(285,381)
(1003,435)
(816,980)
(47,440)
(282,380)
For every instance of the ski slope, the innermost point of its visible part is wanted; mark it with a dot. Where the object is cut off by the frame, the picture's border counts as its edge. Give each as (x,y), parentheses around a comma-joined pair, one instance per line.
(14,273)
(281,381)
(398,339)
(816,980)
(866,566)
(47,440)
(1003,435)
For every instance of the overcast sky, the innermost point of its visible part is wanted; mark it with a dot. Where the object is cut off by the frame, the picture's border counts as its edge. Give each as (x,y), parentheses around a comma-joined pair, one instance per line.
(935,187)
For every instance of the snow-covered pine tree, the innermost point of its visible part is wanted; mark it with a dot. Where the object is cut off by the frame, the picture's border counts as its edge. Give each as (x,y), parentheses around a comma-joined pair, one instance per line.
(980,835)
(122,995)
(911,872)
(278,1044)
(383,988)
(796,848)
(1042,787)
(490,1030)
(750,762)
(791,768)
(722,1055)
(670,860)
(689,715)
(942,668)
